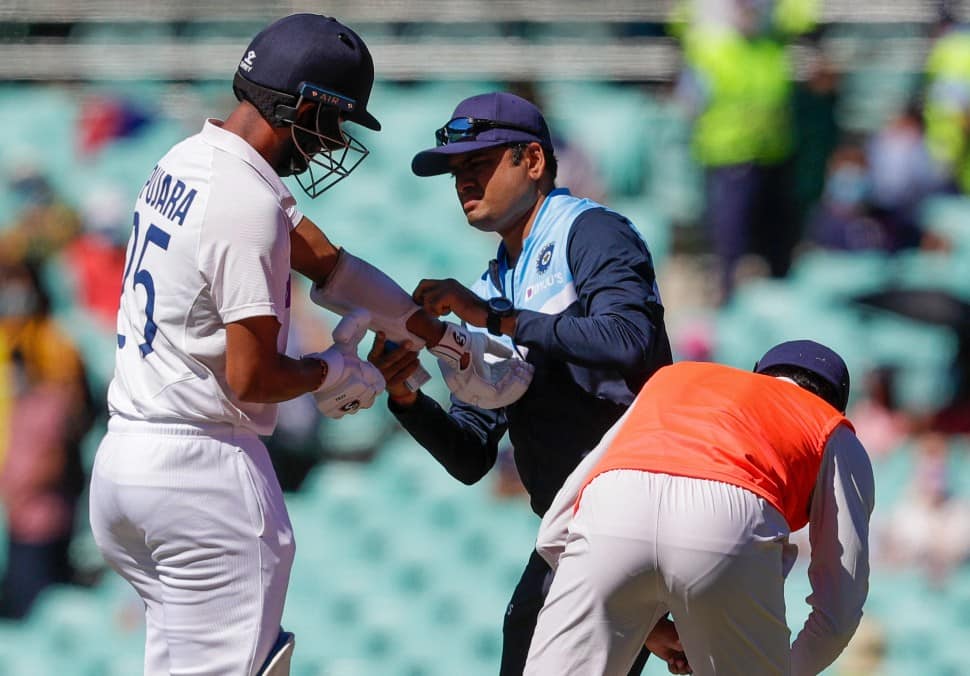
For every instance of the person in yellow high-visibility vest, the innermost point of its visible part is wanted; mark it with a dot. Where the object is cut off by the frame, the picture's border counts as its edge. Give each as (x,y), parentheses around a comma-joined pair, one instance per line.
(946,110)
(738,81)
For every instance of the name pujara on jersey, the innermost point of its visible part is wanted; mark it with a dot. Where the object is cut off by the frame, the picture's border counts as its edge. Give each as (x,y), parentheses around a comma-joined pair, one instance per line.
(167,195)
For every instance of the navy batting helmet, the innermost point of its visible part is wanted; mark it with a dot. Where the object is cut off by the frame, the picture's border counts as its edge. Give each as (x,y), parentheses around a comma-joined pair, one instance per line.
(303,50)
(310,58)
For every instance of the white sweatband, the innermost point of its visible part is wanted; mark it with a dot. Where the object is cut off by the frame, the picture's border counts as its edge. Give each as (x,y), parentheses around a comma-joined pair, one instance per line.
(335,367)
(355,284)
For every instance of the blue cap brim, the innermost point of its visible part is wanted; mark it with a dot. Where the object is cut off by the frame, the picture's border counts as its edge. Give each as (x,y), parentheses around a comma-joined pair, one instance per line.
(436,161)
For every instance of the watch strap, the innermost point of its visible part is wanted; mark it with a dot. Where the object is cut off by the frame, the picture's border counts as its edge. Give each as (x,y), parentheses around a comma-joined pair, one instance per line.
(493,323)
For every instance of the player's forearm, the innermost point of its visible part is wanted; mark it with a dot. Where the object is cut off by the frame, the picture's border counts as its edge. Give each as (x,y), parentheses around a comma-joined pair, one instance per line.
(256,372)
(466,448)
(818,644)
(279,380)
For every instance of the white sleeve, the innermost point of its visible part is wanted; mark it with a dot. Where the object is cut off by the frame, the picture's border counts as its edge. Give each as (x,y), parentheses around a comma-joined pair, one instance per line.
(551,540)
(244,255)
(839,569)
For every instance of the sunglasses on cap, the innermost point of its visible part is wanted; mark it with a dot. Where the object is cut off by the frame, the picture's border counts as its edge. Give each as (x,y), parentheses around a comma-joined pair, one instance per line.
(468,128)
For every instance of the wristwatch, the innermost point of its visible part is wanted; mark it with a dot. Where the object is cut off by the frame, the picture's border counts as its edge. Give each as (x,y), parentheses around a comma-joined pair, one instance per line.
(498,307)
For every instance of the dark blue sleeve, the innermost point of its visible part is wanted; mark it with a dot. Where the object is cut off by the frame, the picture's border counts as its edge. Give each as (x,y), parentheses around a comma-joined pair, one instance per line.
(620,316)
(464,440)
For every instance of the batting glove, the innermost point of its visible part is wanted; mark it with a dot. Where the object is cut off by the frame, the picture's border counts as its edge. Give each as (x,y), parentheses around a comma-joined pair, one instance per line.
(351,384)
(490,382)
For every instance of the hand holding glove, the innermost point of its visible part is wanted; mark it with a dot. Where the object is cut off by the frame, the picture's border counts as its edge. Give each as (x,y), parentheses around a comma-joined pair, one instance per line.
(350,384)
(486,383)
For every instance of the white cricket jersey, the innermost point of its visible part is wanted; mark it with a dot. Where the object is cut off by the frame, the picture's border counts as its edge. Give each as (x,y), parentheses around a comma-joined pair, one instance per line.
(209,246)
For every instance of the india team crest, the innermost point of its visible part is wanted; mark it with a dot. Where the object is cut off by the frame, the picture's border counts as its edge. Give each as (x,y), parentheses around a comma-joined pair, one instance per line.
(545,258)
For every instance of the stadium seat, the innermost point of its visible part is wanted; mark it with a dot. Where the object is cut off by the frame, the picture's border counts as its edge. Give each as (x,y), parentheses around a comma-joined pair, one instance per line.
(614,137)
(840,275)
(947,216)
(107,32)
(922,355)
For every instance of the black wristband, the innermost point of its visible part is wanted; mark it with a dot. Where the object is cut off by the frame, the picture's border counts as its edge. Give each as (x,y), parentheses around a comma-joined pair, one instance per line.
(498,308)
(493,323)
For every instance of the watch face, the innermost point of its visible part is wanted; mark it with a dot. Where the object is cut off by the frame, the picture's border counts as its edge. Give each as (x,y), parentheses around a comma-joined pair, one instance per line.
(499,305)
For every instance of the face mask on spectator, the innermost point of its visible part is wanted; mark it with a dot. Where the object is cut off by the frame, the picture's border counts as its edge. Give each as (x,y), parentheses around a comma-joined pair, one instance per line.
(847,186)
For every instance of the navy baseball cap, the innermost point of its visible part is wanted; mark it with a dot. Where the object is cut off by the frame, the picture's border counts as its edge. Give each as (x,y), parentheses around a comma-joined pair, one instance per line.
(480,122)
(315,50)
(813,357)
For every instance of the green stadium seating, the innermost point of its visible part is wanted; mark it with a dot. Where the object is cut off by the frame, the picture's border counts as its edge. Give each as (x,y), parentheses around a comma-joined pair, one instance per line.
(840,275)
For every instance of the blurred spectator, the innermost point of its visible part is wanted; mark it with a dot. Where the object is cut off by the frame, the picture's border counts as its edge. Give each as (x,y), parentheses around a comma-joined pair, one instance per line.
(816,129)
(873,192)
(694,339)
(738,86)
(96,259)
(43,223)
(902,174)
(947,98)
(47,411)
(843,219)
(929,528)
(879,423)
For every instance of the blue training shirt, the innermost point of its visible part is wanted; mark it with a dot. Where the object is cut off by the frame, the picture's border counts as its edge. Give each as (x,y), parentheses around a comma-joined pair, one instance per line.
(590,321)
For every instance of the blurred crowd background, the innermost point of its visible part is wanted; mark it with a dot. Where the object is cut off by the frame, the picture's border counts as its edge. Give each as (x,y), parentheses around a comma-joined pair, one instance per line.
(799,169)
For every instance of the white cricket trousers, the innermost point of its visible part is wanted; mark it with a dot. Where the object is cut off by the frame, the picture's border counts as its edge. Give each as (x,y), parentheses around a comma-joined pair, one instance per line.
(192,516)
(642,544)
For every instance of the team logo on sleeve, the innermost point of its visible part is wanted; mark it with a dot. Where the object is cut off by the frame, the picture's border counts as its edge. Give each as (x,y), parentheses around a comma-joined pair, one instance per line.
(545,258)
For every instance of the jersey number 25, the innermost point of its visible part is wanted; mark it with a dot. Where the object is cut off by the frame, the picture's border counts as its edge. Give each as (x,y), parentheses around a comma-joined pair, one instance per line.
(142,277)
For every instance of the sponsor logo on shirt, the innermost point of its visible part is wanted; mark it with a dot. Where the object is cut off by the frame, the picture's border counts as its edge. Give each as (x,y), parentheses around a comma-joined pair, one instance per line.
(544,284)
